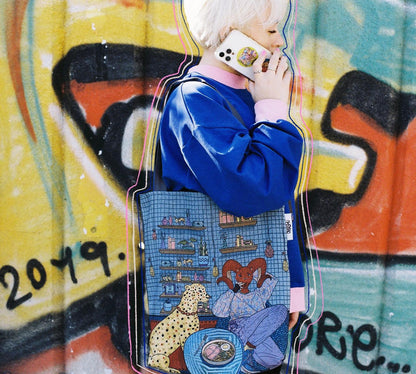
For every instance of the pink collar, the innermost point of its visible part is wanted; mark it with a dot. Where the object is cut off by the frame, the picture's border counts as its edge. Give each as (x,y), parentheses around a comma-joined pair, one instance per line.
(225,77)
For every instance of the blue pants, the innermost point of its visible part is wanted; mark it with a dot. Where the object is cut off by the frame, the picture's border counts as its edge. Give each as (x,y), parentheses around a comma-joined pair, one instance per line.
(257,330)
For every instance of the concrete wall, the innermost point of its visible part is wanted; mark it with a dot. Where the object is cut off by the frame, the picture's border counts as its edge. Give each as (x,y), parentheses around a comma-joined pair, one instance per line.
(77,81)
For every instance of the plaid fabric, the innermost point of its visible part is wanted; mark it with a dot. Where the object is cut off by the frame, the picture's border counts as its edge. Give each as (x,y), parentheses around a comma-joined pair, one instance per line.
(188,239)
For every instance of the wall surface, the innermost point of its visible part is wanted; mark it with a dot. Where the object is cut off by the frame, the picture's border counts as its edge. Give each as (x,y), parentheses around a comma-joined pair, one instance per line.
(77,82)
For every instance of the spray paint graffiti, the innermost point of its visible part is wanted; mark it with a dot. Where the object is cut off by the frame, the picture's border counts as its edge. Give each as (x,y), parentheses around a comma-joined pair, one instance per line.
(380,126)
(77,84)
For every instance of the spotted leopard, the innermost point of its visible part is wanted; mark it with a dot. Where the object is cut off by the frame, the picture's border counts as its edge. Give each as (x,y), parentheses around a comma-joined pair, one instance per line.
(172,332)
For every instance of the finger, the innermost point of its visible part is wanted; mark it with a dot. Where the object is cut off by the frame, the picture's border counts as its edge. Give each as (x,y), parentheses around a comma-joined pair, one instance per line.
(257,66)
(282,67)
(287,75)
(274,60)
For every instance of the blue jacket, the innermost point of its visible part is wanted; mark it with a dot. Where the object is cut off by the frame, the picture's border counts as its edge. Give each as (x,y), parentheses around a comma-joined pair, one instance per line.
(246,169)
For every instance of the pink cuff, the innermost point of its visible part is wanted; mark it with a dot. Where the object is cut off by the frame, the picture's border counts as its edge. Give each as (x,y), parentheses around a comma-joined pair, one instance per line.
(297,299)
(270,110)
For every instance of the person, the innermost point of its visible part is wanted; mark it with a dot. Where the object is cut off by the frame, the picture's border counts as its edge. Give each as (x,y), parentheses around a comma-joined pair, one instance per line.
(245,168)
(253,322)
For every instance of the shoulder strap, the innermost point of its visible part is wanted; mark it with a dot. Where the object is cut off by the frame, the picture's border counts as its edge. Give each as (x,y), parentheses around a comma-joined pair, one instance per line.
(201,80)
(158,184)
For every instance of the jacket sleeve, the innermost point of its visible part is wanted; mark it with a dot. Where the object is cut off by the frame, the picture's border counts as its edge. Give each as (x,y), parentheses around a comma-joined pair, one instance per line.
(246,170)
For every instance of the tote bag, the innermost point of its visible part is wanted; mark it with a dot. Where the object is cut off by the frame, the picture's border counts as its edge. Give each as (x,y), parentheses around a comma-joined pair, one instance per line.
(215,284)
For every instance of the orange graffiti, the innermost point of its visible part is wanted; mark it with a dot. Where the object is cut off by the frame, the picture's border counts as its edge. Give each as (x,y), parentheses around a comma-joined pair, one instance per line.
(403,227)
(57,359)
(364,227)
(132,3)
(110,92)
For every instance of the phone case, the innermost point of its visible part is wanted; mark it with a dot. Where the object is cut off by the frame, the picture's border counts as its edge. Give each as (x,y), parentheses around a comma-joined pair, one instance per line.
(239,51)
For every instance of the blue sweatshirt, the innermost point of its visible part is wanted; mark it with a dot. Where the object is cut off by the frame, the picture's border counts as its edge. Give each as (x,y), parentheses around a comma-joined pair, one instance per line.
(245,168)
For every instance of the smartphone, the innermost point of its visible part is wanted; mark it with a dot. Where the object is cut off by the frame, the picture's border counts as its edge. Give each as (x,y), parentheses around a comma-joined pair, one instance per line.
(239,51)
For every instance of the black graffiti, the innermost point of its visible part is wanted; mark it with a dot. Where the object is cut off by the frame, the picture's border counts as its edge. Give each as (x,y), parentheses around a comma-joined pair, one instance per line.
(322,339)
(36,273)
(108,62)
(66,260)
(330,338)
(92,251)
(391,111)
(13,301)
(358,344)
(30,271)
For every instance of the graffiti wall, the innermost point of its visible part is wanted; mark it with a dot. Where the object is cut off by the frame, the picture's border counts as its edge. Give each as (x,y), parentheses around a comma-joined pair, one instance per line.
(79,81)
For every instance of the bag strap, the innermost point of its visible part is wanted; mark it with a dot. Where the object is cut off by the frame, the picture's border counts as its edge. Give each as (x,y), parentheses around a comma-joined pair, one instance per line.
(158,184)
(201,80)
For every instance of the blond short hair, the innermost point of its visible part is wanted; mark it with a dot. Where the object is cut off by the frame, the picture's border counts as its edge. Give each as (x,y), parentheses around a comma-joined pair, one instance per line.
(208,20)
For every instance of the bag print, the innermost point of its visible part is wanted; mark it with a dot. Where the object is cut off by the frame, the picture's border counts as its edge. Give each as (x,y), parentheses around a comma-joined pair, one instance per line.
(217,286)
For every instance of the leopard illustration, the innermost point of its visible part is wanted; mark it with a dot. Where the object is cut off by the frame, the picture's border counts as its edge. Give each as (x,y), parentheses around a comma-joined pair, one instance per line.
(172,332)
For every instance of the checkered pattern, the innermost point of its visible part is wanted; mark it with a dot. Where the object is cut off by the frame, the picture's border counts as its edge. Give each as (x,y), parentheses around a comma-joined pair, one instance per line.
(184,241)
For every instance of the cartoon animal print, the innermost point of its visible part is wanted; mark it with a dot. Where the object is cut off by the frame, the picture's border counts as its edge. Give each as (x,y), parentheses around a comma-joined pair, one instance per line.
(244,274)
(249,317)
(172,332)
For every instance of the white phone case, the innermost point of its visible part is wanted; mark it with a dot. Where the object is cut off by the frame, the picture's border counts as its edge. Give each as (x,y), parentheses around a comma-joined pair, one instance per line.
(239,51)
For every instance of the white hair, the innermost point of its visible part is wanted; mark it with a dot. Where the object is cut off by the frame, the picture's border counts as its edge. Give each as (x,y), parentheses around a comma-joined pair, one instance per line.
(210,20)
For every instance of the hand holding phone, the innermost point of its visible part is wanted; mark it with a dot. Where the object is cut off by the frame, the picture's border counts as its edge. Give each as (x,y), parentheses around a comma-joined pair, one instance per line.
(274,83)
(268,72)
(240,52)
